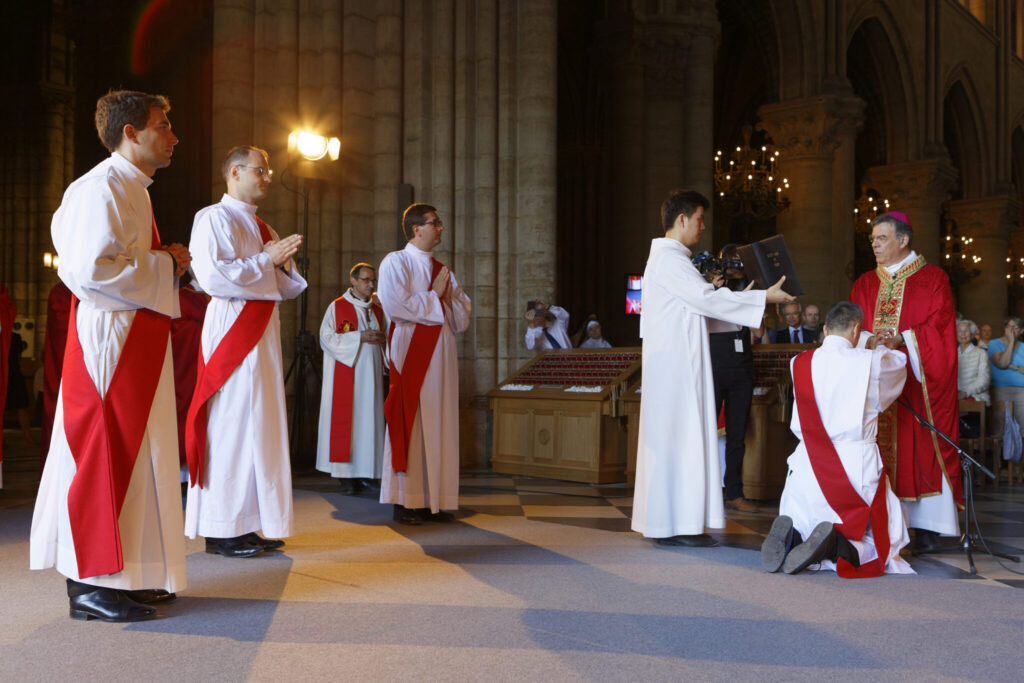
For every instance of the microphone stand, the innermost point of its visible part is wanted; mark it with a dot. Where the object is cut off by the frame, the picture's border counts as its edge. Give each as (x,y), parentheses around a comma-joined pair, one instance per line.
(969,541)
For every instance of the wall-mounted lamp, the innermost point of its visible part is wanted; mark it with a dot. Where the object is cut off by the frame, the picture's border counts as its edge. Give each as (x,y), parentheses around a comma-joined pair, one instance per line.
(312,146)
(51,260)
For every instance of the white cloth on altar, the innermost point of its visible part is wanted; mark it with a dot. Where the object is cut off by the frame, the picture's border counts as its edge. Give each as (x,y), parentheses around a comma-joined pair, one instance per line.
(367,361)
(103,234)
(851,387)
(248,483)
(678,480)
(431,479)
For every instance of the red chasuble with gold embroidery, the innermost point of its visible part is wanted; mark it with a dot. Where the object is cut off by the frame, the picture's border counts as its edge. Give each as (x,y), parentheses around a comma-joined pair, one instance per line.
(918,303)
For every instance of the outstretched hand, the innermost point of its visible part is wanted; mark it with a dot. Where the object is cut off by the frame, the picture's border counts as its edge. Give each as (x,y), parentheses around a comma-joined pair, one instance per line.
(775,295)
(281,251)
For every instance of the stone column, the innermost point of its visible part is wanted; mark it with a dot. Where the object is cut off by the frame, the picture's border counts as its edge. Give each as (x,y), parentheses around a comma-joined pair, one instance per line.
(807,133)
(843,189)
(988,221)
(919,189)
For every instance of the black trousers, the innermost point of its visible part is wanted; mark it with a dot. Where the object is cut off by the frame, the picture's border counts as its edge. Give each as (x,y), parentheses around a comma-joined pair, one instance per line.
(734,387)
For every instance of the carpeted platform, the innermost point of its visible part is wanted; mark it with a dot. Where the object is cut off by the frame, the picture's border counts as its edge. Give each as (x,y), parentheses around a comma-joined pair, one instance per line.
(536,580)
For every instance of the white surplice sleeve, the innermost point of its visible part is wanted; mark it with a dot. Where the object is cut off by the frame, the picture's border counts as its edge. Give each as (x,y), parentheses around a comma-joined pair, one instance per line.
(458,314)
(229,262)
(343,347)
(680,277)
(401,303)
(888,373)
(103,235)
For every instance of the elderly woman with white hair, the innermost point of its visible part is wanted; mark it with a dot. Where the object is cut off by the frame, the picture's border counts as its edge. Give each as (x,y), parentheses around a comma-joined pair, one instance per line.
(973,373)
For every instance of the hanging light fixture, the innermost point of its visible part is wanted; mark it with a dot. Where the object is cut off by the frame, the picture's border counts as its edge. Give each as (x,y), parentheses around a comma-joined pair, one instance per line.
(958,257)
(748,182)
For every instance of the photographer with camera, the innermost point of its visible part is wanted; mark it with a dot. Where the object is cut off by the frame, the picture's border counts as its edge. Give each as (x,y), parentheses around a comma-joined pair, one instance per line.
(732,366)
(548,326)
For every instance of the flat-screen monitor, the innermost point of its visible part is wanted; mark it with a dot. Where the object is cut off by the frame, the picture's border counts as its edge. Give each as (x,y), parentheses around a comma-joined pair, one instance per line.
(634,286)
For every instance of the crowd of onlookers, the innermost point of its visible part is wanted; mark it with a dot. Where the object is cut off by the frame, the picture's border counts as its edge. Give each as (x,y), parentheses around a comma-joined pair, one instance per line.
(991,370)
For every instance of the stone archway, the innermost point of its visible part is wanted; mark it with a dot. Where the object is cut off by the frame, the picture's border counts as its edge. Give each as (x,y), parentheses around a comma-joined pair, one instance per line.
(964,137)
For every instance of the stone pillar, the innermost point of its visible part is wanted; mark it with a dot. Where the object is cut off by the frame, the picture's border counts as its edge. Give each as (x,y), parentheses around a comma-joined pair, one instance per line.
(843,190)
(807,131)
(988,221)
(919,189)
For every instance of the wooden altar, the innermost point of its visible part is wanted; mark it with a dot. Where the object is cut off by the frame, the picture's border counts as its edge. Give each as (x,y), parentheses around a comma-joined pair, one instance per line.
(558,416)
(769,441)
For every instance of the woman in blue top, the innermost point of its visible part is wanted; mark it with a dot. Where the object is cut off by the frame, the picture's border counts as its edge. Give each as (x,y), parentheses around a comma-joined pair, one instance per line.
(1007,356)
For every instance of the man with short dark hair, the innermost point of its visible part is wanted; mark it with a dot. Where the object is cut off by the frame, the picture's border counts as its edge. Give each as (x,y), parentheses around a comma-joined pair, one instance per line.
(108,511)
(353,336)
(837,499)
(908,304)
(236,431)
(427,307)
(678,488)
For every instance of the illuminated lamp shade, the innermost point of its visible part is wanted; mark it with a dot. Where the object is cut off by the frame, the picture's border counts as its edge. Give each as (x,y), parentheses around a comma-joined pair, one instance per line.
(314,147)
(48,260)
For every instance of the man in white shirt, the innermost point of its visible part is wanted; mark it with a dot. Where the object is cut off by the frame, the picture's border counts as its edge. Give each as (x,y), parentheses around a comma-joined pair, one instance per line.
(837,496)
(236,432)
(353,336)
(548,327)
(108,511)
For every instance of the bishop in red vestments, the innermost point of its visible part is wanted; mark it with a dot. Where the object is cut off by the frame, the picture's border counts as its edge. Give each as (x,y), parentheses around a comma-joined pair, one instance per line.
(908,304)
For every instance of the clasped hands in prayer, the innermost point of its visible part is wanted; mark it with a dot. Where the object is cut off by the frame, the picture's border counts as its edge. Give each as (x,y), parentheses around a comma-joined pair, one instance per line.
(282,250)
(181,258)
(440,286)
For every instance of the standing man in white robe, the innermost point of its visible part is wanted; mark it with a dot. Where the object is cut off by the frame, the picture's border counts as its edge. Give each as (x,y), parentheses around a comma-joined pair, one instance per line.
(851,386)
(678,489)
(355,356)
(111,260)
(426,307)
(241,477)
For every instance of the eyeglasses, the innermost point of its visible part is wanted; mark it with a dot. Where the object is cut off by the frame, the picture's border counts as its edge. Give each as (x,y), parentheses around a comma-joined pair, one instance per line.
(367,279)
(265,172)
(436,223)
(882,239)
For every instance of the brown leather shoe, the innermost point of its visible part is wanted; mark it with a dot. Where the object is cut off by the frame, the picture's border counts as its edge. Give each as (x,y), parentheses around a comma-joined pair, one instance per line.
(741,504)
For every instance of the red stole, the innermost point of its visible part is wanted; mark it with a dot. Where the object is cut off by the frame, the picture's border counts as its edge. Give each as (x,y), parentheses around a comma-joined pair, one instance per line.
(243,336)
(57,311)
(346,319)
(834,482)
(403,399)
(8,311)
(186,341)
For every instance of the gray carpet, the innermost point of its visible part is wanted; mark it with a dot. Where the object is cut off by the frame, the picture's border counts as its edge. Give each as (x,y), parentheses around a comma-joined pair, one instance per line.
(513,597)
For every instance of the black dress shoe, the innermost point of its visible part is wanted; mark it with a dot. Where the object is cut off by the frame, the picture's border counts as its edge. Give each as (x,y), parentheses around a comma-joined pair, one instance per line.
(150,596)
(689,541)
(232,547)
(348,487)
(777,544)
(440,516)
(370,484)
(267,544)
(404,515)
(925,541)
(108,604)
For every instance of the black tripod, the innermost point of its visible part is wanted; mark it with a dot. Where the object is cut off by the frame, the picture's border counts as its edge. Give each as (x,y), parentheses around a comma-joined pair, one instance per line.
(969,540)
(304,358)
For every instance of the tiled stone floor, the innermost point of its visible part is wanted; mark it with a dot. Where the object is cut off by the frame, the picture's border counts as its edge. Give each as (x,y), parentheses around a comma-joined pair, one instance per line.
(1000,512)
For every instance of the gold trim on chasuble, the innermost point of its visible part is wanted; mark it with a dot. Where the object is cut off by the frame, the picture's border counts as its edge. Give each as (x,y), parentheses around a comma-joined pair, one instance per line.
(888,307)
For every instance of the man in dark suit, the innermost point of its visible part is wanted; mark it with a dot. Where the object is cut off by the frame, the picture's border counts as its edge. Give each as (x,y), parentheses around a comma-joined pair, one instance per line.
(793,332)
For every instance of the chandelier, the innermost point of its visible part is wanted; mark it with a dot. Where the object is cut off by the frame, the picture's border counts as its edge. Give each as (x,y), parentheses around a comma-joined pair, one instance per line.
(866,209)
(1015,270)
(958,257)
(748,182)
